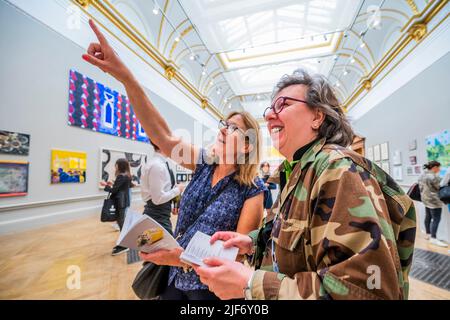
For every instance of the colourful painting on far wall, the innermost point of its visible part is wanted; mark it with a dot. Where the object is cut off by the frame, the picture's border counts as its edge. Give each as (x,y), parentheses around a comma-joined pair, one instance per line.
(438,149)
(13,178)
(96,107)
(14,143)
(68,166)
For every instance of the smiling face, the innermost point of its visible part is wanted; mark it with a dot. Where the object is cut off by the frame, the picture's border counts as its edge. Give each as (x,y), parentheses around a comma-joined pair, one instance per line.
(296,125)
(229,145)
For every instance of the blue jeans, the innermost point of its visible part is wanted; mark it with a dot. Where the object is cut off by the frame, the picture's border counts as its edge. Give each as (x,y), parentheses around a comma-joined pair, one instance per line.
(432,219)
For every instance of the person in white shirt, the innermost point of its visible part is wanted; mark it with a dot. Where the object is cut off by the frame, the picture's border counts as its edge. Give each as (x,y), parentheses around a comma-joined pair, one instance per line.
(158,188)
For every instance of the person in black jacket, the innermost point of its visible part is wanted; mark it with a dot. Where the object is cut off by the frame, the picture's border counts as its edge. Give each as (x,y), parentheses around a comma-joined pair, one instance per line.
(120,192)
(265,175)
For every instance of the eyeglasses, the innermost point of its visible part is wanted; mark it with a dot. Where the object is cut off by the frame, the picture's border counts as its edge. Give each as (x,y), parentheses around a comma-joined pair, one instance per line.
(280,104)
(230,127)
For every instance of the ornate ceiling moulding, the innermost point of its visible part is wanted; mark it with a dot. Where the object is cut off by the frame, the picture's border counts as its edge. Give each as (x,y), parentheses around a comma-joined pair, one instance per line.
(367,84)
(170,72)
(418,31)
(84,3)
(205,103)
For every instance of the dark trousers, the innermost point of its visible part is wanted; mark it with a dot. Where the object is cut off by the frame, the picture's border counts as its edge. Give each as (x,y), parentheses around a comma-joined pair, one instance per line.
(432,219)
(120,213)
(161,213)
(172,293)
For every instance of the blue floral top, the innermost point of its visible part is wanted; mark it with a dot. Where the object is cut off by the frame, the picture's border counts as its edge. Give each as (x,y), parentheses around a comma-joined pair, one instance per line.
(221,215)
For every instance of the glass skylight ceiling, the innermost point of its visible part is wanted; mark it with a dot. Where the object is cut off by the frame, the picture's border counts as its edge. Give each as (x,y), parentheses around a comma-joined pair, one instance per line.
(258,41)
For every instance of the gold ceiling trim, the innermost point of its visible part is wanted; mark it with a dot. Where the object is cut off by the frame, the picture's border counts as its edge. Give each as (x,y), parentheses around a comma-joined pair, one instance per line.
(158,41)
(100,6)
(175,44)
(413,7)
(429,4)
(172,33)
(398,47)
(311,47)
(406,55)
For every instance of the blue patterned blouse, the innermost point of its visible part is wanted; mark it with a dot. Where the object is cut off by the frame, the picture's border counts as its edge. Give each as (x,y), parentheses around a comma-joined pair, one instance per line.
(221,215)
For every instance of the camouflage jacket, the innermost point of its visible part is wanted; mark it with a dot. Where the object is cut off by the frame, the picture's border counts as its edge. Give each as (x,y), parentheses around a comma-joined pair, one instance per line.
(342,229)
(429,184)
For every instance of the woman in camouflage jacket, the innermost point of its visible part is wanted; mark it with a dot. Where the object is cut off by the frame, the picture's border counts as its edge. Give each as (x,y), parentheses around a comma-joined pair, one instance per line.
(341,227)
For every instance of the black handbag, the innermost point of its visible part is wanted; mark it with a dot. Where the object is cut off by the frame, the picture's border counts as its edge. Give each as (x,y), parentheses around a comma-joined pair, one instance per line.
(414,192)
(151,281)
(444,194)
(108,210)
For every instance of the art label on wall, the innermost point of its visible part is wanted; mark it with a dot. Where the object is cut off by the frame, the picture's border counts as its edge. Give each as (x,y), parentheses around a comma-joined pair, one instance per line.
(14,143)
(397,160)
(108,158)
(13,178)
(68,166)
(398,173)
(438,149)
(96,107)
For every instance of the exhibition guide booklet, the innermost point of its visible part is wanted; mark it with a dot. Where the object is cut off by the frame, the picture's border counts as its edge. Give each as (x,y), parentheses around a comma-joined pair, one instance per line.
(142,233)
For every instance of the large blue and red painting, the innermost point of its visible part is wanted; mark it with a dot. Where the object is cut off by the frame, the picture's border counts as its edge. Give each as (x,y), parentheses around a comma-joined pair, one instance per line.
(96,107)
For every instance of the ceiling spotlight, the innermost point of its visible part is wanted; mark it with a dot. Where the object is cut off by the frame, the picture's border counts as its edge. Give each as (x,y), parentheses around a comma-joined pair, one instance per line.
(336,58)
(155,9)
(177,39)
(352,60)
(345,72)
(337,85)
(362,45)
(204,71)
(229,106)
(218,91)
(225,100)
(211,83)
(192,57)
(258,97)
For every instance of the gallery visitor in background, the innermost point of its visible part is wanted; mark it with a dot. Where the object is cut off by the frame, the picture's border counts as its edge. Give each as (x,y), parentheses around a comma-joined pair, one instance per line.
(120,192)
(158,188)
(429,184)
(446,183)
(265,175)
(343,228)
(225,192)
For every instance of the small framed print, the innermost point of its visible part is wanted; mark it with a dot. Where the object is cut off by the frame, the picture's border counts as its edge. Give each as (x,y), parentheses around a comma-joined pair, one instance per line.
(376,153)
(384,151)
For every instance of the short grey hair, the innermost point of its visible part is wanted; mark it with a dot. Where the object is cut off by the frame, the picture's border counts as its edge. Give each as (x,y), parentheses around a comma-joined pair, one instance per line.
(336,127)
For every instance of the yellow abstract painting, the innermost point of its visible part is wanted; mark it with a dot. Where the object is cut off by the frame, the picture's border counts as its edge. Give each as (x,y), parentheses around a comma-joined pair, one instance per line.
(68,166)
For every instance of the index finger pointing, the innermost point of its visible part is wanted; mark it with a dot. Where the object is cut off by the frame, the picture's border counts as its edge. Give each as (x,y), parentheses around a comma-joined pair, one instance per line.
(97,32)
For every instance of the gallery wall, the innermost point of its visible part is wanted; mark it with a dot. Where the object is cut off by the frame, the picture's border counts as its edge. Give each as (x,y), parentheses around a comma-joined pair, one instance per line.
(417,110)
(34,85)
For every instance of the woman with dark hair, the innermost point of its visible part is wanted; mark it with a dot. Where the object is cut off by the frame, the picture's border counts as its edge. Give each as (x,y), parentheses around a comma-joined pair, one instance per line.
(120,192)
(265,175)
(429,184)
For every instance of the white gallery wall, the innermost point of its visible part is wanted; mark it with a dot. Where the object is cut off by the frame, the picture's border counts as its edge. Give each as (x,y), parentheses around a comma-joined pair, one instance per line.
(418,109)
(34,79)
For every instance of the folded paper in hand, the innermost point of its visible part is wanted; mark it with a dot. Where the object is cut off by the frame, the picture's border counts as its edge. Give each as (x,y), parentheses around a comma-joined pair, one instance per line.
(199,248)
(140,232)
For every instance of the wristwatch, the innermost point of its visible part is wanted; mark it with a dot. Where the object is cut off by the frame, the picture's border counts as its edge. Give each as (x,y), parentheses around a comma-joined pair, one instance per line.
(248,288)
